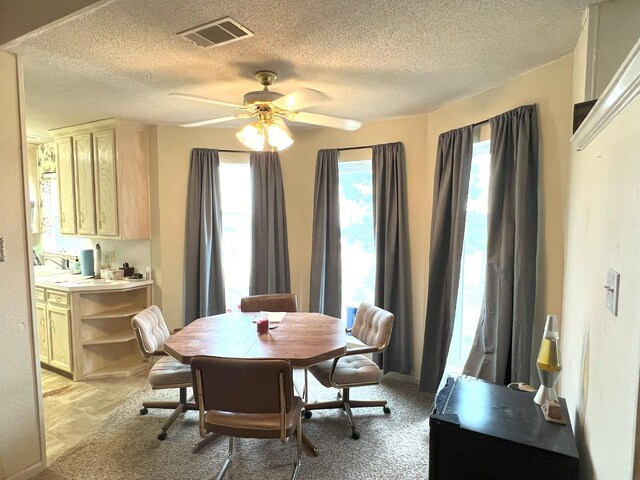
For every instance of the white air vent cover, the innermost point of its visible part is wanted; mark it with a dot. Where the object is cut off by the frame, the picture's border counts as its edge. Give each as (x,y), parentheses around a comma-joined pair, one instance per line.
(216,33)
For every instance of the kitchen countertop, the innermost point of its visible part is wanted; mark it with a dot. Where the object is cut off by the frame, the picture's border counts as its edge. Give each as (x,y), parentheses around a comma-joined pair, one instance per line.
(78,283)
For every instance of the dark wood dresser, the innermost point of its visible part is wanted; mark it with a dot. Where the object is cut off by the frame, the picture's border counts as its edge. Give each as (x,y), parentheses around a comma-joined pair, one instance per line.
(479,430)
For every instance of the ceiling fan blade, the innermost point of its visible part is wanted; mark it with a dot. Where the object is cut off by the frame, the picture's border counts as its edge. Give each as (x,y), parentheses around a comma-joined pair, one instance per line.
(300,99)
(211,121)
(325,120)
(198,98)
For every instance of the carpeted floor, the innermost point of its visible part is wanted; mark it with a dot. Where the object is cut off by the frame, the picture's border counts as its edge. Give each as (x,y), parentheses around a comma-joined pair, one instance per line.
(391,446)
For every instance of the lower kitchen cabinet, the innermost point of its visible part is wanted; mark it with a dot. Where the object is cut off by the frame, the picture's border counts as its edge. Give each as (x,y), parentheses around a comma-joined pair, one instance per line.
(87,332)
(54,328)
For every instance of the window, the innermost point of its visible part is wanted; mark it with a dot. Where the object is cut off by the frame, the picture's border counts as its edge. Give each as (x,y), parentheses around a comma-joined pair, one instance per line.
(235,189)
(51,240)
(474,259)
(357,239)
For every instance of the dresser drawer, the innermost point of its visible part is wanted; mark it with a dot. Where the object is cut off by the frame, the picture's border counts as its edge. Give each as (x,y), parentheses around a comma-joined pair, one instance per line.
(40,295)
(58,298)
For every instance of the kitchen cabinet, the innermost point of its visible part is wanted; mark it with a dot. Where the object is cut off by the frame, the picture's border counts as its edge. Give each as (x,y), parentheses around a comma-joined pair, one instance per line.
(110,178)
(105,182)
(86,329)
(85,196)
(54,328)
(66,186)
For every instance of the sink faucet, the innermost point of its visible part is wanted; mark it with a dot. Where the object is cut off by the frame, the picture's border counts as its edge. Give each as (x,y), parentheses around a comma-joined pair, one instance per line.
(63,263)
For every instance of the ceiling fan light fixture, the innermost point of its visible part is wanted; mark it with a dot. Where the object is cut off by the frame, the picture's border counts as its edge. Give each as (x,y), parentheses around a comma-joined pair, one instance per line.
(278,135)
(252,136)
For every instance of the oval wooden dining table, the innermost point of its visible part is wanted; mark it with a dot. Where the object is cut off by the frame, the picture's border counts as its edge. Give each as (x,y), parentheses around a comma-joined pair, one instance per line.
(302,338)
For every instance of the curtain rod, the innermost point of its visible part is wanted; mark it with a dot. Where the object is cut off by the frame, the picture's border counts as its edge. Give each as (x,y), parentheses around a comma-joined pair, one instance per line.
(232,151)
(486,120)
(354,148)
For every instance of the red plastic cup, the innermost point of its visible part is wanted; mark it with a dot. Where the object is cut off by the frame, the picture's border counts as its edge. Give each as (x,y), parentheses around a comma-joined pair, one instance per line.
(262,325)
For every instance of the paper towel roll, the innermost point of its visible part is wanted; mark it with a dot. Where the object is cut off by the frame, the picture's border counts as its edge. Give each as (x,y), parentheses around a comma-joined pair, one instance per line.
(86,262)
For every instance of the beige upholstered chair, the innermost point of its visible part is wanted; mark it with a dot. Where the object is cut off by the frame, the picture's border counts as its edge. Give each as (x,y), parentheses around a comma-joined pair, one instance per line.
(151,332)
(372,326)
(272,302)
(247,398)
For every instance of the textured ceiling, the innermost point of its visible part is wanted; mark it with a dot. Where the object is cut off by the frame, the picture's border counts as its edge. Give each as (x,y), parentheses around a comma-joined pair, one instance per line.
(374,59)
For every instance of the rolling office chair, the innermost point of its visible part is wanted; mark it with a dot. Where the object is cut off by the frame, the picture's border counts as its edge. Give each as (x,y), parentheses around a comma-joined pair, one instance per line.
(151,332)
(372,326)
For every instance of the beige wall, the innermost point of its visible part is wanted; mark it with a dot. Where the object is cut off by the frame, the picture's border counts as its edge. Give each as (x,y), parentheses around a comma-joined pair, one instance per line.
(600,351)
(549,87)
(21,450)
(601,359)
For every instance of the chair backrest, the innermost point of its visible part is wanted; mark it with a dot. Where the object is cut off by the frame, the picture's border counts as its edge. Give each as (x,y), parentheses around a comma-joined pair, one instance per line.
(272,302)
(241,385)
(373,325)
(151,330)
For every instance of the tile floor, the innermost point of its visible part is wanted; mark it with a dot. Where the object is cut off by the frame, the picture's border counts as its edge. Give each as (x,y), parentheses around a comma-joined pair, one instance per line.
(72,409)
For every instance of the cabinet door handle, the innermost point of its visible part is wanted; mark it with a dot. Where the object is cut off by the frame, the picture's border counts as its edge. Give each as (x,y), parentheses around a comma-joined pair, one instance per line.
(81,218)
(102,218)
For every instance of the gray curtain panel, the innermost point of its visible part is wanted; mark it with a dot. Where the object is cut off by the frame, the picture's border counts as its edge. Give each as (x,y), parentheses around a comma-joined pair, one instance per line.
(203,274)
(502,345)
(269,245)
(325,291)
(451,187)
(393,263)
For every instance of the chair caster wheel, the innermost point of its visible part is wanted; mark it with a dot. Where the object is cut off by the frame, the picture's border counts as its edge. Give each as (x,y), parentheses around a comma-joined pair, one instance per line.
(308,414)
(386,409)
(144,411)
(162,435)
(355,435)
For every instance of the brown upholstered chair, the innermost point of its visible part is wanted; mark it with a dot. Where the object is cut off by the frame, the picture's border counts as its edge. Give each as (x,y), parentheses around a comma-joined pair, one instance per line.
(272,302)
(151,332)
(372,326)
(247,398)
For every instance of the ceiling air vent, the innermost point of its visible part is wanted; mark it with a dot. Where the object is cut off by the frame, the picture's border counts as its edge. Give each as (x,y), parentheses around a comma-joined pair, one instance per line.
(214,34)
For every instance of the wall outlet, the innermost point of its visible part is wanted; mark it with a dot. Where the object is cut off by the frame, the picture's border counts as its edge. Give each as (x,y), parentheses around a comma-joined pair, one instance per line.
(612,287)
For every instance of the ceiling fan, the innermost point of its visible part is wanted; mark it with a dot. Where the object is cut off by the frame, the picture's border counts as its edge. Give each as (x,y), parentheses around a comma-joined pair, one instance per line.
(270,109)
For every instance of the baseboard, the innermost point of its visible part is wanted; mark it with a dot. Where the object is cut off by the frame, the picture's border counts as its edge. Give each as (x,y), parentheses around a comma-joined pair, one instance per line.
(30,472)
(402,377)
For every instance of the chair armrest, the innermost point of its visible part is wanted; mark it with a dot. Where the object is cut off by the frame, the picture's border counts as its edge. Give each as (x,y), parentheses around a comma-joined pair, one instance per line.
(359,351)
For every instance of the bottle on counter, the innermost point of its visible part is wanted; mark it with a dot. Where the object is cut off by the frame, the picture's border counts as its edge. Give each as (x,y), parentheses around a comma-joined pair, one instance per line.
(97,261)
(75,266)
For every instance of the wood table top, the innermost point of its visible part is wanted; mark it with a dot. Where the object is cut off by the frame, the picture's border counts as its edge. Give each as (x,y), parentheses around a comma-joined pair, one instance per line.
(303,338)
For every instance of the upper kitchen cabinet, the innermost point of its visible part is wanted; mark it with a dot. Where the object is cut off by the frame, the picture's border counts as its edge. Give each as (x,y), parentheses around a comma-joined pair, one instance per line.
(105,188)
(66,186)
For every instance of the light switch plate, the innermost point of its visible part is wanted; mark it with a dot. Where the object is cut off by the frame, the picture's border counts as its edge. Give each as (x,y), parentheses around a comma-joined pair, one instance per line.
(612,287)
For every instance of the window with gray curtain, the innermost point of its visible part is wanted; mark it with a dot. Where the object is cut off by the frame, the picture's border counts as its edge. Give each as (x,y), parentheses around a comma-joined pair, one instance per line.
(325,290)
(393,263)
(269,244)
(451,185)
(393,266)
(203,274)
(502,345)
